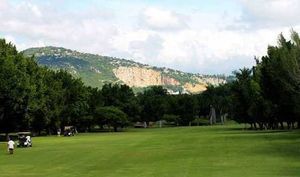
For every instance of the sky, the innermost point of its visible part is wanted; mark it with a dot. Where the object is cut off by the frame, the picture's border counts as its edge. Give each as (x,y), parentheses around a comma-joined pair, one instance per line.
(197,36)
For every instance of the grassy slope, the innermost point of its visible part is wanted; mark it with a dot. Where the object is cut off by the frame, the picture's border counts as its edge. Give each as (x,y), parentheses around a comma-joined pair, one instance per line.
(169,152)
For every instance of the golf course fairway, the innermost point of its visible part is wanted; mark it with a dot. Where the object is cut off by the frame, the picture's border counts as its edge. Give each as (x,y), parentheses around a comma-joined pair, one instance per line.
(218,151)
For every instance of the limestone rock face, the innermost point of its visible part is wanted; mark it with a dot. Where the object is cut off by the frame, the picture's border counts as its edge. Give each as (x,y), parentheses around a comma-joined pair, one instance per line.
(142,77)
(195,88)
(169,81)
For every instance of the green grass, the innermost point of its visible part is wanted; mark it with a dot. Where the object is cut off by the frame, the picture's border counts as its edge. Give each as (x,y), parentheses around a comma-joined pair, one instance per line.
(220,151)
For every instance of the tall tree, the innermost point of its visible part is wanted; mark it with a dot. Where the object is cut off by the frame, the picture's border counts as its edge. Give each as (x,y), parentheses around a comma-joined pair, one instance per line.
(16,88)
(153,102)
(112,116)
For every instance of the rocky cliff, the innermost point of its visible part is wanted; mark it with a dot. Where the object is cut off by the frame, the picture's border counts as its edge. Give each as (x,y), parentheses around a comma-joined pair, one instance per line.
(142,77)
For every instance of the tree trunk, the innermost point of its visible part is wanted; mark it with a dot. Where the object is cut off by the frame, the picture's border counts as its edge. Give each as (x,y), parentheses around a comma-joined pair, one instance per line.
(222,119)
(146,124)
(281,126)
(49,131)
(255,128)
(261,126)
(6,135)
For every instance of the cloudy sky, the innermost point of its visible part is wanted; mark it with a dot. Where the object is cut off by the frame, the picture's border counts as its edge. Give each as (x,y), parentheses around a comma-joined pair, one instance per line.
(199,36)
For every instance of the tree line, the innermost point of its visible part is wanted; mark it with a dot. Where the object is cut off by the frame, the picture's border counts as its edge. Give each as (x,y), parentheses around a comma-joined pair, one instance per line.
(266,96)
(36,98)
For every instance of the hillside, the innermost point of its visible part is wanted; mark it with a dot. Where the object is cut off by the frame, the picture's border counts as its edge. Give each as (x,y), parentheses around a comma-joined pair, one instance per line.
(96,70)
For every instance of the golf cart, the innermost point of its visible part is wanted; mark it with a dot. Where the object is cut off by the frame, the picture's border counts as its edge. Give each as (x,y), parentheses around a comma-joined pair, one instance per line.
(69,131)
(24,139)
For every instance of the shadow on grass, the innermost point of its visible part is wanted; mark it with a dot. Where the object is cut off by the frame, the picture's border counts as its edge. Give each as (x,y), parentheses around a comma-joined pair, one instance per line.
(284,146)
(284,143)
(285,150)
(243,130)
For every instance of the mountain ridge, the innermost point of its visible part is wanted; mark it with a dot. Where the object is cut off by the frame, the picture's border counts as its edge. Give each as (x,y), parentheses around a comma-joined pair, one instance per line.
(96,70)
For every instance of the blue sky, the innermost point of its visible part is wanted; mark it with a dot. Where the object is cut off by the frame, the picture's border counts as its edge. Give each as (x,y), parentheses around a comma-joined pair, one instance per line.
(199,36)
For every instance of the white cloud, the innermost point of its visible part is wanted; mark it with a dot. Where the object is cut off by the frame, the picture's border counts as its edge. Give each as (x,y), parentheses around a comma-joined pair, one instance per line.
(9,38)
(194,41)
(148,49)
(196,50)
(31,7)
(77,31)
(162,19)
(3,4)
(270,13)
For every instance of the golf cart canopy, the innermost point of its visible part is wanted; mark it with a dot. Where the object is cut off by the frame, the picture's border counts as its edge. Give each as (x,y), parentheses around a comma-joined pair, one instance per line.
(24,133)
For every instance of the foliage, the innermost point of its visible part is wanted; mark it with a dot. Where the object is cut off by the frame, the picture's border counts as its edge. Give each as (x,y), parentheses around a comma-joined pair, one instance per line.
(112,116)
(268,94)
(153,103)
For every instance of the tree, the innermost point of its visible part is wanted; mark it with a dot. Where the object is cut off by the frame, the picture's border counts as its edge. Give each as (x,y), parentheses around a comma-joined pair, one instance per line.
(16,88)
(241,95)
(153,103)
(280,78)
(74,99)
(219,98)
(112,116)
(171,118)
(269,93)
(121,96)
(187,109)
